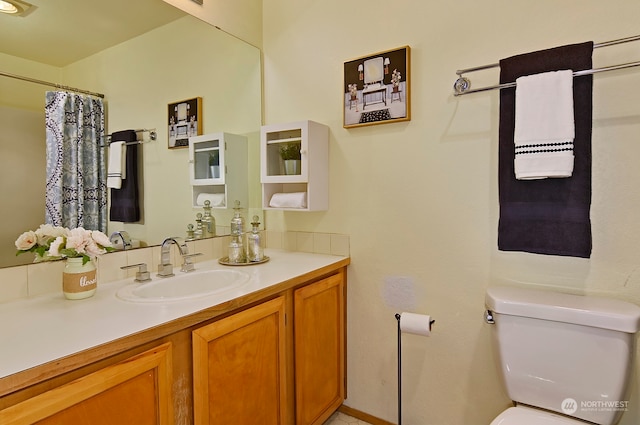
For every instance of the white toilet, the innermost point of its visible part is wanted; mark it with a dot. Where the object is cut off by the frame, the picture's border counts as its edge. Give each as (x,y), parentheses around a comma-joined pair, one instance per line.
(564,359)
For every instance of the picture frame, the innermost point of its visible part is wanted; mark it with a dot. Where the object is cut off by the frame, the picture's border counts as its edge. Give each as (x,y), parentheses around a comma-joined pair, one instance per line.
(184,119)
(377,88)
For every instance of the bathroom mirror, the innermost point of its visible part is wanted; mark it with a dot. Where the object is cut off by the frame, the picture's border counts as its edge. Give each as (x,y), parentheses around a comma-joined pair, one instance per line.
(180,59)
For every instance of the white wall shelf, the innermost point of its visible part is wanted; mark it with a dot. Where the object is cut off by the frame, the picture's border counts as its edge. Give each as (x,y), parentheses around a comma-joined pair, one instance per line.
(311,177)
(229,180)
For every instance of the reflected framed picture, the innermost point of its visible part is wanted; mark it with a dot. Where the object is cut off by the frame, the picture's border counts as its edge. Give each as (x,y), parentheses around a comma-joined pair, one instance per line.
(184,120)
(377,88)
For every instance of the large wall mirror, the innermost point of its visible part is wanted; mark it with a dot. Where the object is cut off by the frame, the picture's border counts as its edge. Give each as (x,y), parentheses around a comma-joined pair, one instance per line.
(176,58)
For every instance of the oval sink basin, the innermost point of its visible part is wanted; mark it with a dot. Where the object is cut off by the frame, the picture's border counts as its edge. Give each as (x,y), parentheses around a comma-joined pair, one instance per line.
(184,286)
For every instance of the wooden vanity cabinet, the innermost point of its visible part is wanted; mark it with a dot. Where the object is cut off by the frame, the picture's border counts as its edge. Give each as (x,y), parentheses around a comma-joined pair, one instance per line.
(244,365)
(274,357)
(319,346)
(135,391)
(239,369)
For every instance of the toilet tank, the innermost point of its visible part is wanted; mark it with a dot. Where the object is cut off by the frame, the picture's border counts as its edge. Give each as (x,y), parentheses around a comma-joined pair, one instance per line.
(570,354)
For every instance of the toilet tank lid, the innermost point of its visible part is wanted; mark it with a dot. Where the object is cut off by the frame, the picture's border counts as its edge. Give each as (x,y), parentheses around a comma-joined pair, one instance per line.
(576,309)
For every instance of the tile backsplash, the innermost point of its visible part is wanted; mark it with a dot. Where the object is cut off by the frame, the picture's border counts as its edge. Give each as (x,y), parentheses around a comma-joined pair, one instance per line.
(44,278)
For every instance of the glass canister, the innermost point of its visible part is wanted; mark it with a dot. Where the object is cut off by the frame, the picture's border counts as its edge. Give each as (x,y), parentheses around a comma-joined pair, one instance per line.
(79,280)
(190,232)
(237,253)
(198,233)
(208,221)
(255,248)
(236,250)
(237,222)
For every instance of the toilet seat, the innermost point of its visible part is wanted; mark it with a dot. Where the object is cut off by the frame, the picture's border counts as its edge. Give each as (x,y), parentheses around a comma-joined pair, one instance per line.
(522,415)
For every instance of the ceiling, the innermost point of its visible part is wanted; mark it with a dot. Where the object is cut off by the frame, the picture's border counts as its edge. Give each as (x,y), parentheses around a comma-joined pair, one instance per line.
(60,32)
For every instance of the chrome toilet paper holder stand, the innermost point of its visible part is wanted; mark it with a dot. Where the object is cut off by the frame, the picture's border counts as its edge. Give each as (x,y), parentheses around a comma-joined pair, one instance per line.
(398,315)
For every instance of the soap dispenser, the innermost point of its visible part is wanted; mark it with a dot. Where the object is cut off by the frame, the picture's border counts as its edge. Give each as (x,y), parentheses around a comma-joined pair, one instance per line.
(255,249)
(208,221)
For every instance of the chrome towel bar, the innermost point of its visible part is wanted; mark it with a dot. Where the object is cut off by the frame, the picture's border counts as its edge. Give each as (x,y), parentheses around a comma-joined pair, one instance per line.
(463,85)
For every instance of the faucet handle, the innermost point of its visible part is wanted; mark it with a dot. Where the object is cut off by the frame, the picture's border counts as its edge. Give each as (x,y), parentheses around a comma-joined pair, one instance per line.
(187,265)
(142,275)
(165,270)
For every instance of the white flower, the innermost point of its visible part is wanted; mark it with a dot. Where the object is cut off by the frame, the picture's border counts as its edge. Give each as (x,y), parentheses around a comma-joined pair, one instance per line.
(53,242)
(78,239)
(47,232)
(27,240)
(54,248)
(100,238)
(93,250)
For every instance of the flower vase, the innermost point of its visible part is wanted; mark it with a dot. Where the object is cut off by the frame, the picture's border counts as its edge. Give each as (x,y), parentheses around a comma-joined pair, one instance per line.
(79,280)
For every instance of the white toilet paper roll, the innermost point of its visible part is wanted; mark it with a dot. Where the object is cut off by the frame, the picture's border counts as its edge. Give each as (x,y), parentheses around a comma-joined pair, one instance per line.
(418,324)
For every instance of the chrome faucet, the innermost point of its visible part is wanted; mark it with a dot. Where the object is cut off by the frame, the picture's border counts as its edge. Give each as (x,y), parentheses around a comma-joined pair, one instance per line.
(121,236)
(165,268)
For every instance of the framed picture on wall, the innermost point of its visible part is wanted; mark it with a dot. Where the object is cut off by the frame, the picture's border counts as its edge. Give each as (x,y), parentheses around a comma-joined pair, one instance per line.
(184,121)
(376,88)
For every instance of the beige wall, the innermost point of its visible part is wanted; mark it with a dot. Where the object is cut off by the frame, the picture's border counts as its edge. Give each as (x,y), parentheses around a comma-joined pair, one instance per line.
(242,18)
(21,94)
(22,148)
(419,198)
(22,176)
(182,60)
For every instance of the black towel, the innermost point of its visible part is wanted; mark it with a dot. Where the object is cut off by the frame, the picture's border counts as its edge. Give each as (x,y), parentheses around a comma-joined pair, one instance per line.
(549,216)
(124,201)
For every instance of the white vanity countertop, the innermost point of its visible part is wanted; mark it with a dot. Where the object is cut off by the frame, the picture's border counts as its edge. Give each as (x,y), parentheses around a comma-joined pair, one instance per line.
(39,330)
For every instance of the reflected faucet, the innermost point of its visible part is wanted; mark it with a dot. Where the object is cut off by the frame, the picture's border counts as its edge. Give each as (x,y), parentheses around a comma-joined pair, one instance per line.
(121,236)
(165,268)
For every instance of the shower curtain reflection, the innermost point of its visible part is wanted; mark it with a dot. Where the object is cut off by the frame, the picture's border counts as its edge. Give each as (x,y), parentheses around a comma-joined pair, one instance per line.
(76,192)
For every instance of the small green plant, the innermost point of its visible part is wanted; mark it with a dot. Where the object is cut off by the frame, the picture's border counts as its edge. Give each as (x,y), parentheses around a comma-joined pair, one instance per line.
(290,151)
(214,158)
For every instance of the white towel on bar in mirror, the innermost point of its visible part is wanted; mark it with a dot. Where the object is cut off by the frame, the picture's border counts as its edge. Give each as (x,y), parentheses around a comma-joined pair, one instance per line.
(116,171)
(289,200)
(544,125)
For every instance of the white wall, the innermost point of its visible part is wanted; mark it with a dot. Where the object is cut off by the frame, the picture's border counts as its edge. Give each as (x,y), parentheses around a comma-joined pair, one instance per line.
(420,199)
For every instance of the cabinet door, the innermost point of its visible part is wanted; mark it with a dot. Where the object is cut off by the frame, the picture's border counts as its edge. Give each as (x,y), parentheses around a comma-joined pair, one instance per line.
(239,368)
(205,153)
(319,349)
(135,391)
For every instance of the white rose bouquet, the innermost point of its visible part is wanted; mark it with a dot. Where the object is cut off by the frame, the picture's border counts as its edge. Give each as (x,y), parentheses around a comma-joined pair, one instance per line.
(53,242)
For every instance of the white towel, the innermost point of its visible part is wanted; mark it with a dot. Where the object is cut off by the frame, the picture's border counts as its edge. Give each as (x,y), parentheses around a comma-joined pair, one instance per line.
(544,125)
(289,200)
(116,171)
(216,199)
